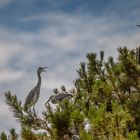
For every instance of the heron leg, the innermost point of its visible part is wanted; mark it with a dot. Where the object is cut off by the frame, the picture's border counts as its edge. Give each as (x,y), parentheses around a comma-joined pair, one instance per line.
(34,110)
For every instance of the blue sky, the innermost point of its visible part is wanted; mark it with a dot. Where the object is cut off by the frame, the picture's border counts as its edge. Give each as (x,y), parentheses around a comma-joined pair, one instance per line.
(57,34)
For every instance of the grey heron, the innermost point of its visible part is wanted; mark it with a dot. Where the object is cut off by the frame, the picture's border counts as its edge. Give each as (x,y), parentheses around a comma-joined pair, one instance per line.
(58,97)
(33,95)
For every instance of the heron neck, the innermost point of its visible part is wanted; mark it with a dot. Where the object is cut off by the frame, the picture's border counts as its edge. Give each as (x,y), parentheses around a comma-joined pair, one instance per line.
(39,79)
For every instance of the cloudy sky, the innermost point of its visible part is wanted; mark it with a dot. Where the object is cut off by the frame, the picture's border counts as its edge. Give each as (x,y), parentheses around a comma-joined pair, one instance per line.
(57,34)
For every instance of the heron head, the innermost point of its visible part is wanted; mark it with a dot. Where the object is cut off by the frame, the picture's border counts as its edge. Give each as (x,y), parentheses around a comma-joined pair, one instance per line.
(52,99)
(41,69)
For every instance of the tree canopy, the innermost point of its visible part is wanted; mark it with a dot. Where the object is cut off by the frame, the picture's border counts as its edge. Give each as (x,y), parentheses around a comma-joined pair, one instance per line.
(105,104)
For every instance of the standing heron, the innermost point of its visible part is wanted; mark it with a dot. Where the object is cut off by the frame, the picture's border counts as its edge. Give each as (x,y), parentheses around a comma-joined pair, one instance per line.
(58,97)
(33,96)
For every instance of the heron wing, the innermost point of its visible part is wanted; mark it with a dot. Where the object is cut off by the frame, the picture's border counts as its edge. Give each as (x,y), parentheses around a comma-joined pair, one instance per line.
(30,97)
(61,96)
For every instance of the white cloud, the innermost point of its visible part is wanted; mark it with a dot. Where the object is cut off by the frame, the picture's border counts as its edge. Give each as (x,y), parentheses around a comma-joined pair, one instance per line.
(10,75)
(61,45)
(8,50)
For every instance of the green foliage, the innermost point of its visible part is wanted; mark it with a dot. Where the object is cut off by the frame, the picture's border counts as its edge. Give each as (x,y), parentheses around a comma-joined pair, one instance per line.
(133,135)
(27,134)
(61,122)
(3,136)
(15,105)
(12,136)
(105,104)
(85,136)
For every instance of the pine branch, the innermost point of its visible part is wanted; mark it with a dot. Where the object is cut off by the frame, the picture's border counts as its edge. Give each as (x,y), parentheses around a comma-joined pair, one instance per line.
(3,136)
(15,105)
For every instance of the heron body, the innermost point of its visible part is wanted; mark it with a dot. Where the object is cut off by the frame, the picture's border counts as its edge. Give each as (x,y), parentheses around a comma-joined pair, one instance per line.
(62,96)
(59,97)
(33,95)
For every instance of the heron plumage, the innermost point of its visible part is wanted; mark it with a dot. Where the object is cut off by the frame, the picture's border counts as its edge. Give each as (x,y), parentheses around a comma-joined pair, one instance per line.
(58,97)
(33,95)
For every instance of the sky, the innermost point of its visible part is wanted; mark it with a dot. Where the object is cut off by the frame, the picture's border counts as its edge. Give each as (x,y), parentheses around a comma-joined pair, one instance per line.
(57,34)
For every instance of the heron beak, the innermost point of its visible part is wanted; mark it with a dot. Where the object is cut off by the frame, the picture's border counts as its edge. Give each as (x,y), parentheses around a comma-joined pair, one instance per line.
(43,69)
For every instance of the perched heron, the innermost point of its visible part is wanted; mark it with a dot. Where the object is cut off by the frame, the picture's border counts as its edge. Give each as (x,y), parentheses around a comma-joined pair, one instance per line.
(33,96)
(58,97)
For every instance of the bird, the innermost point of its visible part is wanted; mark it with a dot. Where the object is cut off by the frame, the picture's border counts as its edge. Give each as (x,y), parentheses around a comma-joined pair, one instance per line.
(33,95)
(58,97)
(138,25)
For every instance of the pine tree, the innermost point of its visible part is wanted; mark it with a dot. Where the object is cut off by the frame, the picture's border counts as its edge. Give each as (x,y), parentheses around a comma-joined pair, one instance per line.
(105,104)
